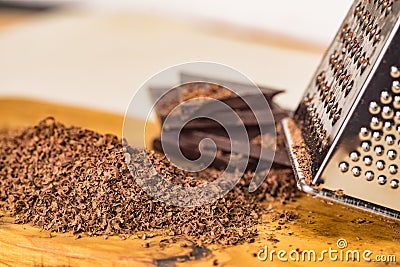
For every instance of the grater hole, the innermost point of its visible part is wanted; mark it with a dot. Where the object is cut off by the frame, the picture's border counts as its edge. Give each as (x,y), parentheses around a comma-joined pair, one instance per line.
(388,125)
(367,22)
(387,112)
(393,169)
(363,62)
(355,156)
(395,72)
(357,10)
(320,78)
(356,171)
(374,108)
(336,117)
(386,98)
(376,124)
(377,135)
(335,107)
(366,146)
(384,6)
(379,150)
(329,107)
(343,77)
(359,60)
(344,51)
(397,116)
(389,8)
(334,61)
(392,154)
(396,87)
(367,160)
(344,166)
(380,165)
(377,30)
(390,139)
(340,70)
(382,179)
(364,132)
(349,87)
(307,99)
(345,82)
(326,93)
(312,111)
(371,31)
(396,102)
(376,39)
(325,144)
(369,175)
(394,183)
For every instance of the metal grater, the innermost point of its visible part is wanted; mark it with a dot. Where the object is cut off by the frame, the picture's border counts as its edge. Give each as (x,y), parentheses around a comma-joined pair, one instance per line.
(349,117)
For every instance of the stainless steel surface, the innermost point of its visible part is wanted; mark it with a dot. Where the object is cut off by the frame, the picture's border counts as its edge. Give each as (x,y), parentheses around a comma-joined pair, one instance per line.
(331,195)
(350,113)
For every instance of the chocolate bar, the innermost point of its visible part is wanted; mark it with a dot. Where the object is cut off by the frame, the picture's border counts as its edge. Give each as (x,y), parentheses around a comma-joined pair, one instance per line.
(242,88)
(202,102)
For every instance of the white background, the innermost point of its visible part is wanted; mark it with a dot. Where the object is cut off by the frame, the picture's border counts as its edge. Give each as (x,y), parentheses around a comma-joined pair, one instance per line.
(312,20)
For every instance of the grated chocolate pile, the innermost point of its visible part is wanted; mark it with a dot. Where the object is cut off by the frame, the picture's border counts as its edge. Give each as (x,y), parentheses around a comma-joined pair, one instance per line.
(69,179)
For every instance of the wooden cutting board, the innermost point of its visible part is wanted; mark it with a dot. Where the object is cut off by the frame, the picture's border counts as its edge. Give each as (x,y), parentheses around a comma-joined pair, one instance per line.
(319,226)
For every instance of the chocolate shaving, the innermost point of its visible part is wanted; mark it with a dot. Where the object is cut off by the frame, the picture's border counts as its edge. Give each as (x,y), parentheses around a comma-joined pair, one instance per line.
(302,152)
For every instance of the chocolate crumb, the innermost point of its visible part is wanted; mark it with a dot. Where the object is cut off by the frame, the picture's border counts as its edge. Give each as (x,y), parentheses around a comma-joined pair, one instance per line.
(185,244)
(361,221)
(273,239)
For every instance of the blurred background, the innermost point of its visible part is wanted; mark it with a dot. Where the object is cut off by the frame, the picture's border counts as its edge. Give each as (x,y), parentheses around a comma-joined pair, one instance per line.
(96,53)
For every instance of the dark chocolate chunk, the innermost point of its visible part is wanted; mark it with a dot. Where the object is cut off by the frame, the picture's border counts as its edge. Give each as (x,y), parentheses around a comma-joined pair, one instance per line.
(204,127)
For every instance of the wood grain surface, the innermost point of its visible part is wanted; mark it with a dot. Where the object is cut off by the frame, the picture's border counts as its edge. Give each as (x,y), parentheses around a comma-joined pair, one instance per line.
(318,228)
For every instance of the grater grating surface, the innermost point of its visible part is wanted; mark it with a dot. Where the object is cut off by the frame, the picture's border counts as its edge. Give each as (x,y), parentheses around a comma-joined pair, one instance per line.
(349,117)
